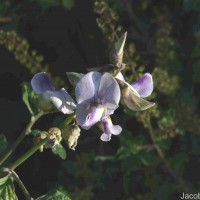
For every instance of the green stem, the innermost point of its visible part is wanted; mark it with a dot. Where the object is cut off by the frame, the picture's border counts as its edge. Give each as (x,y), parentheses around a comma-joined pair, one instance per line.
(26,131)
(29,153)
(67,121)
(16,178)
(21,185)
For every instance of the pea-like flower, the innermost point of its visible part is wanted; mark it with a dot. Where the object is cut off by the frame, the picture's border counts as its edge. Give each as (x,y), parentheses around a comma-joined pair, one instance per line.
(41,84)
(109,129)
(97,96)
(133,94)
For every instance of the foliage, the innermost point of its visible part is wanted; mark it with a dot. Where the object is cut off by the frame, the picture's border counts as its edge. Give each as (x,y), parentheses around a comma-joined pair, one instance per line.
(59,150)
(7,190)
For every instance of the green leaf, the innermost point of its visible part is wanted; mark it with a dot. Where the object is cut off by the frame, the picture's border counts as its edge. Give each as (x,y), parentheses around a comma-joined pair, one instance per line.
(54,195)
(3,177)
(129,144)
(3,144)
(7,191)
(29,97)
(59,150)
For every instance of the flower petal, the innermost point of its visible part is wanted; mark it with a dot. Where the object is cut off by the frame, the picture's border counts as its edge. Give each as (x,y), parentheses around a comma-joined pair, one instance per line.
(61,100)
(94,116)
(41,82)
(124,84)
(120,76)
(87,87)
(109,129)
(86,116)
(109,93)
(105,137)
(81,113)
(133,101)
(144,85)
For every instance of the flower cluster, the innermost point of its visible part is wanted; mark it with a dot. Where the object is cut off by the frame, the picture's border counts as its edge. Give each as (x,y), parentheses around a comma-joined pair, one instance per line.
(97,95)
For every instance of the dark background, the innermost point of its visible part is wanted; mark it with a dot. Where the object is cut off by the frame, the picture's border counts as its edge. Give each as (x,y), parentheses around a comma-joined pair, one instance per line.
(71,40)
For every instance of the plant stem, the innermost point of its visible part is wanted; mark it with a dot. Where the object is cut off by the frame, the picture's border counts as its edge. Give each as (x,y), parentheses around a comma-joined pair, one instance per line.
(26,131)
(20,183)
(29,153)
(67,121)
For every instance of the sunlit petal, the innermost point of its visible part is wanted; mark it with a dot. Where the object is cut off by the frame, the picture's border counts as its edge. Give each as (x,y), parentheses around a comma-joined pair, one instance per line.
(41,83)
(144,85)
(61,100)
(109,92)
(87,87)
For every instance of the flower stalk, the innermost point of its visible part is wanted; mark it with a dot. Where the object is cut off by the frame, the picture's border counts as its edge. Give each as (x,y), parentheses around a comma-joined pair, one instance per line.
(26,131)
(16,178)
(28,154)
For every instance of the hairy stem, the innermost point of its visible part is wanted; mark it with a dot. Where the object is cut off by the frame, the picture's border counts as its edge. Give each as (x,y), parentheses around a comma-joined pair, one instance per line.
(67,121)
(26,131)
(29,153)
(19,182)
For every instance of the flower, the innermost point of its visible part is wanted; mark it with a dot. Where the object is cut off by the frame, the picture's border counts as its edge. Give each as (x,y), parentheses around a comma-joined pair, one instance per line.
(109,129)
(71,134)
(97,96)
(133,94)
(41,84)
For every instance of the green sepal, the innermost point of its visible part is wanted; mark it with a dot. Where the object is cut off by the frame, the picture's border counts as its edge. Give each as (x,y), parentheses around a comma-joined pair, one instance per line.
(30,98)
(119,45)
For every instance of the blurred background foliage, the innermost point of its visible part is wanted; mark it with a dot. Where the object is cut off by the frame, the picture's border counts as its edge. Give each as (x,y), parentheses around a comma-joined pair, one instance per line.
(157,154)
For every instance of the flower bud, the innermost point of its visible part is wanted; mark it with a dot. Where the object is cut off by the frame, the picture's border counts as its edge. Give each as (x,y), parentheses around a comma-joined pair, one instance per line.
(45,104)
(71,134)
(116,56)
(54,137)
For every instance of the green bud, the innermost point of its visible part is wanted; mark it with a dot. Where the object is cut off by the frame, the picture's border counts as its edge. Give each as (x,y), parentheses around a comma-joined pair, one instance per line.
(44,104)
(117,55)
(70,135)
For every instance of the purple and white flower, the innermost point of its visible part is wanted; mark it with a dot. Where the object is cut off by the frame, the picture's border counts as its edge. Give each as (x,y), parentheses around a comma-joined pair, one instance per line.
(98,96)
(133,94)
(109,129)
(41,84)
